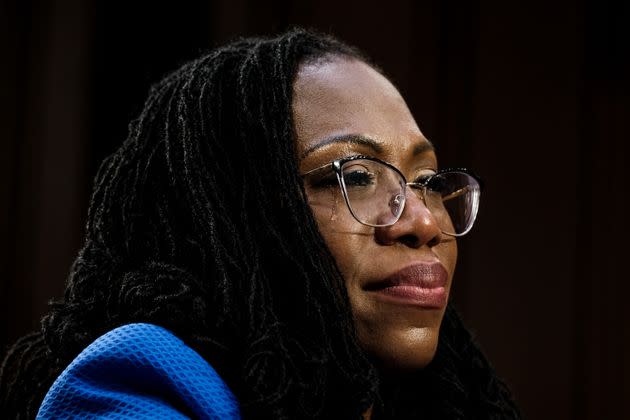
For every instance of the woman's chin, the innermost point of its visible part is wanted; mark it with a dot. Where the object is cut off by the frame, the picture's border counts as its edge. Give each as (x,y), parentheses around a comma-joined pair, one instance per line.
(403,352)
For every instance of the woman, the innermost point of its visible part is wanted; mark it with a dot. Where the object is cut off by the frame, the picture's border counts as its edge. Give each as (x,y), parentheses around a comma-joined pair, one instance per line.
(276,208)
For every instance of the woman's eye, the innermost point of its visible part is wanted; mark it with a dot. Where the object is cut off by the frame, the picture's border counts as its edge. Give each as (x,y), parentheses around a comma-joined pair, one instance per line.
(437,184)
(325,181)
(422,179)
(425,179)
(358,178)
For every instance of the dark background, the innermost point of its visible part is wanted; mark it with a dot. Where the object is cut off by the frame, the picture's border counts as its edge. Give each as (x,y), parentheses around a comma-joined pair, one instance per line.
(533,95)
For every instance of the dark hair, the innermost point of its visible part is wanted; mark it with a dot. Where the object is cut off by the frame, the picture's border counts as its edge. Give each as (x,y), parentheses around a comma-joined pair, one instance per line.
(198,224)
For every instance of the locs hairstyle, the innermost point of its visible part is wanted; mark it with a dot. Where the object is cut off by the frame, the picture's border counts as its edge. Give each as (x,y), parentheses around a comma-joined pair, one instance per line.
(198,223)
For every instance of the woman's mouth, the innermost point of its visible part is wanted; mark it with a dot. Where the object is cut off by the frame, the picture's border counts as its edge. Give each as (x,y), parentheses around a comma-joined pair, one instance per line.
(421,284)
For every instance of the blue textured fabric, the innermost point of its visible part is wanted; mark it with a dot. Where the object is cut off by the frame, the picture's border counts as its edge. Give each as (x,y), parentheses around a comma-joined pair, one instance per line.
(139,371)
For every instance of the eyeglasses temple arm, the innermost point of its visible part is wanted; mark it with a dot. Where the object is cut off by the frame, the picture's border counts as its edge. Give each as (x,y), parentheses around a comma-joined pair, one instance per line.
(456,194)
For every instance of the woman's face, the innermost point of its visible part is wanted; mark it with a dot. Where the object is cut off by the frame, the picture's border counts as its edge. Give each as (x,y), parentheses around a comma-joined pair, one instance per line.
(398,277)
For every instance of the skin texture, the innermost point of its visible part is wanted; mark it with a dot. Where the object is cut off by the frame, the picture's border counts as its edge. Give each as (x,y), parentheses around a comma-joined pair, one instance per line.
(340,97)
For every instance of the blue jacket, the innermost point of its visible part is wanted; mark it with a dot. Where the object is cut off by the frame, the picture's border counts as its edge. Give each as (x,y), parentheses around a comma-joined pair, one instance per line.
(139,371)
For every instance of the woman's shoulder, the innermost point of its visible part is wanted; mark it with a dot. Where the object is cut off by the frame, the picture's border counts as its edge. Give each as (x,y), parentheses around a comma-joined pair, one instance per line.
(139,370)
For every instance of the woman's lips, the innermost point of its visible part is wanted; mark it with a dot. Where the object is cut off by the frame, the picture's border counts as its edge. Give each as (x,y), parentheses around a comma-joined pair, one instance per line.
(422,284)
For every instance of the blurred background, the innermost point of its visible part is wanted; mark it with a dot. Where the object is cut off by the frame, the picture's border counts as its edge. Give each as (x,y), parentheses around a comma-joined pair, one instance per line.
(532,95)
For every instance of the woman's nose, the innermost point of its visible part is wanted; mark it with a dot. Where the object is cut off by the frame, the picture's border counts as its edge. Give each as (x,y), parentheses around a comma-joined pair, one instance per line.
(416,227)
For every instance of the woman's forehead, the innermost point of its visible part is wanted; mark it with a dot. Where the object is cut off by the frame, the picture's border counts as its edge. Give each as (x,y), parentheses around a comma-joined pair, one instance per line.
(344,84)
(345,97)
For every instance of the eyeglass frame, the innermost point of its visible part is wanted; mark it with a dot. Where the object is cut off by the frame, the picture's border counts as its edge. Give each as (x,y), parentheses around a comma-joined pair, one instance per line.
(337,164)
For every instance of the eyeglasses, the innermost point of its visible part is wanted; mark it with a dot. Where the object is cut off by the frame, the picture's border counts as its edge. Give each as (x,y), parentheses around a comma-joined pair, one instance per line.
(375,192)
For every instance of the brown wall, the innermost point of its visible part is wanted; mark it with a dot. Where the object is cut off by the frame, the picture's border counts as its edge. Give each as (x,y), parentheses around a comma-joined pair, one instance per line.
(532,95)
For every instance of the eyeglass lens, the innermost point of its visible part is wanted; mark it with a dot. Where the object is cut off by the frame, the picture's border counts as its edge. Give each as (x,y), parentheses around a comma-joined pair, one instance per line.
(374,191)
(376,195)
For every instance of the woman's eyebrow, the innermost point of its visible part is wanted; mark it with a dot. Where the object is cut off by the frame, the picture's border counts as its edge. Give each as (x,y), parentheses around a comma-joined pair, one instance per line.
(346,138)
(423,148)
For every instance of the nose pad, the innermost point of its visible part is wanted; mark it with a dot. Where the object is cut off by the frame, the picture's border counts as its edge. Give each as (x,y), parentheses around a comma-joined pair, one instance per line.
(396,204)
(416,225)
